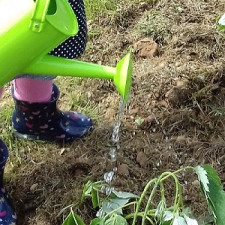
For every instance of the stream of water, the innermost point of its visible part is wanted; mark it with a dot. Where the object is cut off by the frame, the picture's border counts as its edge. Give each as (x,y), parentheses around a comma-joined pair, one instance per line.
(108,176)
(114,146)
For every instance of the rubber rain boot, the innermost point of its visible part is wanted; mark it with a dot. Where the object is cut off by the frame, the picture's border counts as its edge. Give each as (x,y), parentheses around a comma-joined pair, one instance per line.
(44,121)
(7,213)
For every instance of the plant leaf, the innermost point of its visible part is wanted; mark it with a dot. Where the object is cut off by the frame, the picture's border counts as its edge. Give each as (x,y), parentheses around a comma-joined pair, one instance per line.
(73,219)
(116,220)
(78,220)
(96,221)
(178,220)
(214,192)
(95,198)
(69,220)
(128,195)
(112,204)
(190,221)
(167,216)
(86,190)
(139,121)
(202,176)
(221,22)
(160,210)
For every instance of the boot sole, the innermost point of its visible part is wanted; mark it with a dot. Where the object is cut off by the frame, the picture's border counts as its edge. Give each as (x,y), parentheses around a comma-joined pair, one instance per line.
(38,138)
(45,138)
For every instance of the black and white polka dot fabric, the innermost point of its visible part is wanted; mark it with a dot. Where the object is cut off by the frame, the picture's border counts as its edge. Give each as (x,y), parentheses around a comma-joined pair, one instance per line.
(72,47)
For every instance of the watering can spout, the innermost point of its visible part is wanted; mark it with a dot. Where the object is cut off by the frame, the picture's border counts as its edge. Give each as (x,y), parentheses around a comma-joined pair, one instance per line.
(121,75)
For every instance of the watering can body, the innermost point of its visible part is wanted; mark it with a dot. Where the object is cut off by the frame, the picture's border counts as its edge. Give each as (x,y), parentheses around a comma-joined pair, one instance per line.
(29,30)
(26,37)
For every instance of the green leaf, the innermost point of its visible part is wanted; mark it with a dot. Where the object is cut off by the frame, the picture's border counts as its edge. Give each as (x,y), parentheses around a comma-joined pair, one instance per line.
(92,190)
(69,220)
(139,121)
(167,216)
(86,190)
(221,27)
(73,219)
(160,210)
(190,221)
(221,22)
(78,220)
(128,195)
(178,220)
(96,221)
(202,176)
(95,198)
(112,204)
(214,193)
(116,220)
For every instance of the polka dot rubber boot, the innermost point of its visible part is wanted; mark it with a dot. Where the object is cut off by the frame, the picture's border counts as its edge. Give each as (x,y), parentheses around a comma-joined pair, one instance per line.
(7,214)
(44,121)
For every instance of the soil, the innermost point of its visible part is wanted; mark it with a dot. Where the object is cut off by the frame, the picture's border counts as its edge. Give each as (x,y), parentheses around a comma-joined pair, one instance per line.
(178,94)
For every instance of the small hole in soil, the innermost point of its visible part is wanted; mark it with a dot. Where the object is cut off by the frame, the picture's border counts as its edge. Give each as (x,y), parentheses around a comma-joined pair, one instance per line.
(79,169)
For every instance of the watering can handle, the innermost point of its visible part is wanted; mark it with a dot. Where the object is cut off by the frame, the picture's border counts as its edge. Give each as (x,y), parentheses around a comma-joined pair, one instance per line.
(38,18)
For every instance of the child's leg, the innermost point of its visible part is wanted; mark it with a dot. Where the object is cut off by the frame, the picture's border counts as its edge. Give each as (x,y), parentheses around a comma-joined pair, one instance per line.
(36,115)
(7,214)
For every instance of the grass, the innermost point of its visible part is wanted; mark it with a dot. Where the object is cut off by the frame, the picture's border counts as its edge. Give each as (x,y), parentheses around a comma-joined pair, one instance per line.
(97,8)
(155,24)
(75,97)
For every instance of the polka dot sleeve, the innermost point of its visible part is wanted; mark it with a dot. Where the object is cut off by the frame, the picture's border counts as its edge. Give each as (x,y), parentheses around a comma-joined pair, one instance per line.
(74,46)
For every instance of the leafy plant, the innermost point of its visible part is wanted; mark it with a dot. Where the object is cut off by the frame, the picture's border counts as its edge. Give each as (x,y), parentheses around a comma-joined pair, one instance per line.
(221,22)
(111,207)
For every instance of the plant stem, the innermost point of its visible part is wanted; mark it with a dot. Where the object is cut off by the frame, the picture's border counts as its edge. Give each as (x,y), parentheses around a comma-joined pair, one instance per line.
(178,171)
(162,177)
(131,215)
(149,201)
(108,214)
(141,198)
(178,195)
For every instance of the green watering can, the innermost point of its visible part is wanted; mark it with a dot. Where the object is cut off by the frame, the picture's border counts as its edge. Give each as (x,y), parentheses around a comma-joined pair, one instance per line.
(30,29)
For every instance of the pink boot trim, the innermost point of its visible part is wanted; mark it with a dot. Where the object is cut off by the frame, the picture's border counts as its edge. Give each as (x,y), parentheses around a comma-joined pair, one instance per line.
(32,90)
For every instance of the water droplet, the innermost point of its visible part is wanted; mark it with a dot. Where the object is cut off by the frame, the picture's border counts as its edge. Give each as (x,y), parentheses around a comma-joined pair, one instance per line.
(108,205)
(114,169)
(108,176)
(100,213)
(112,154)
(108,190)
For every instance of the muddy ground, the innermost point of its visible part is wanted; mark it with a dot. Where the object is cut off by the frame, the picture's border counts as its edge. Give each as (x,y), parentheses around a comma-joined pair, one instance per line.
(177,96)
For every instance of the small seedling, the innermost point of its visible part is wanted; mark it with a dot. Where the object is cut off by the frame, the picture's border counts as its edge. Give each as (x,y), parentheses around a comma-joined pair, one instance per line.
(139,121)
(221,22)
